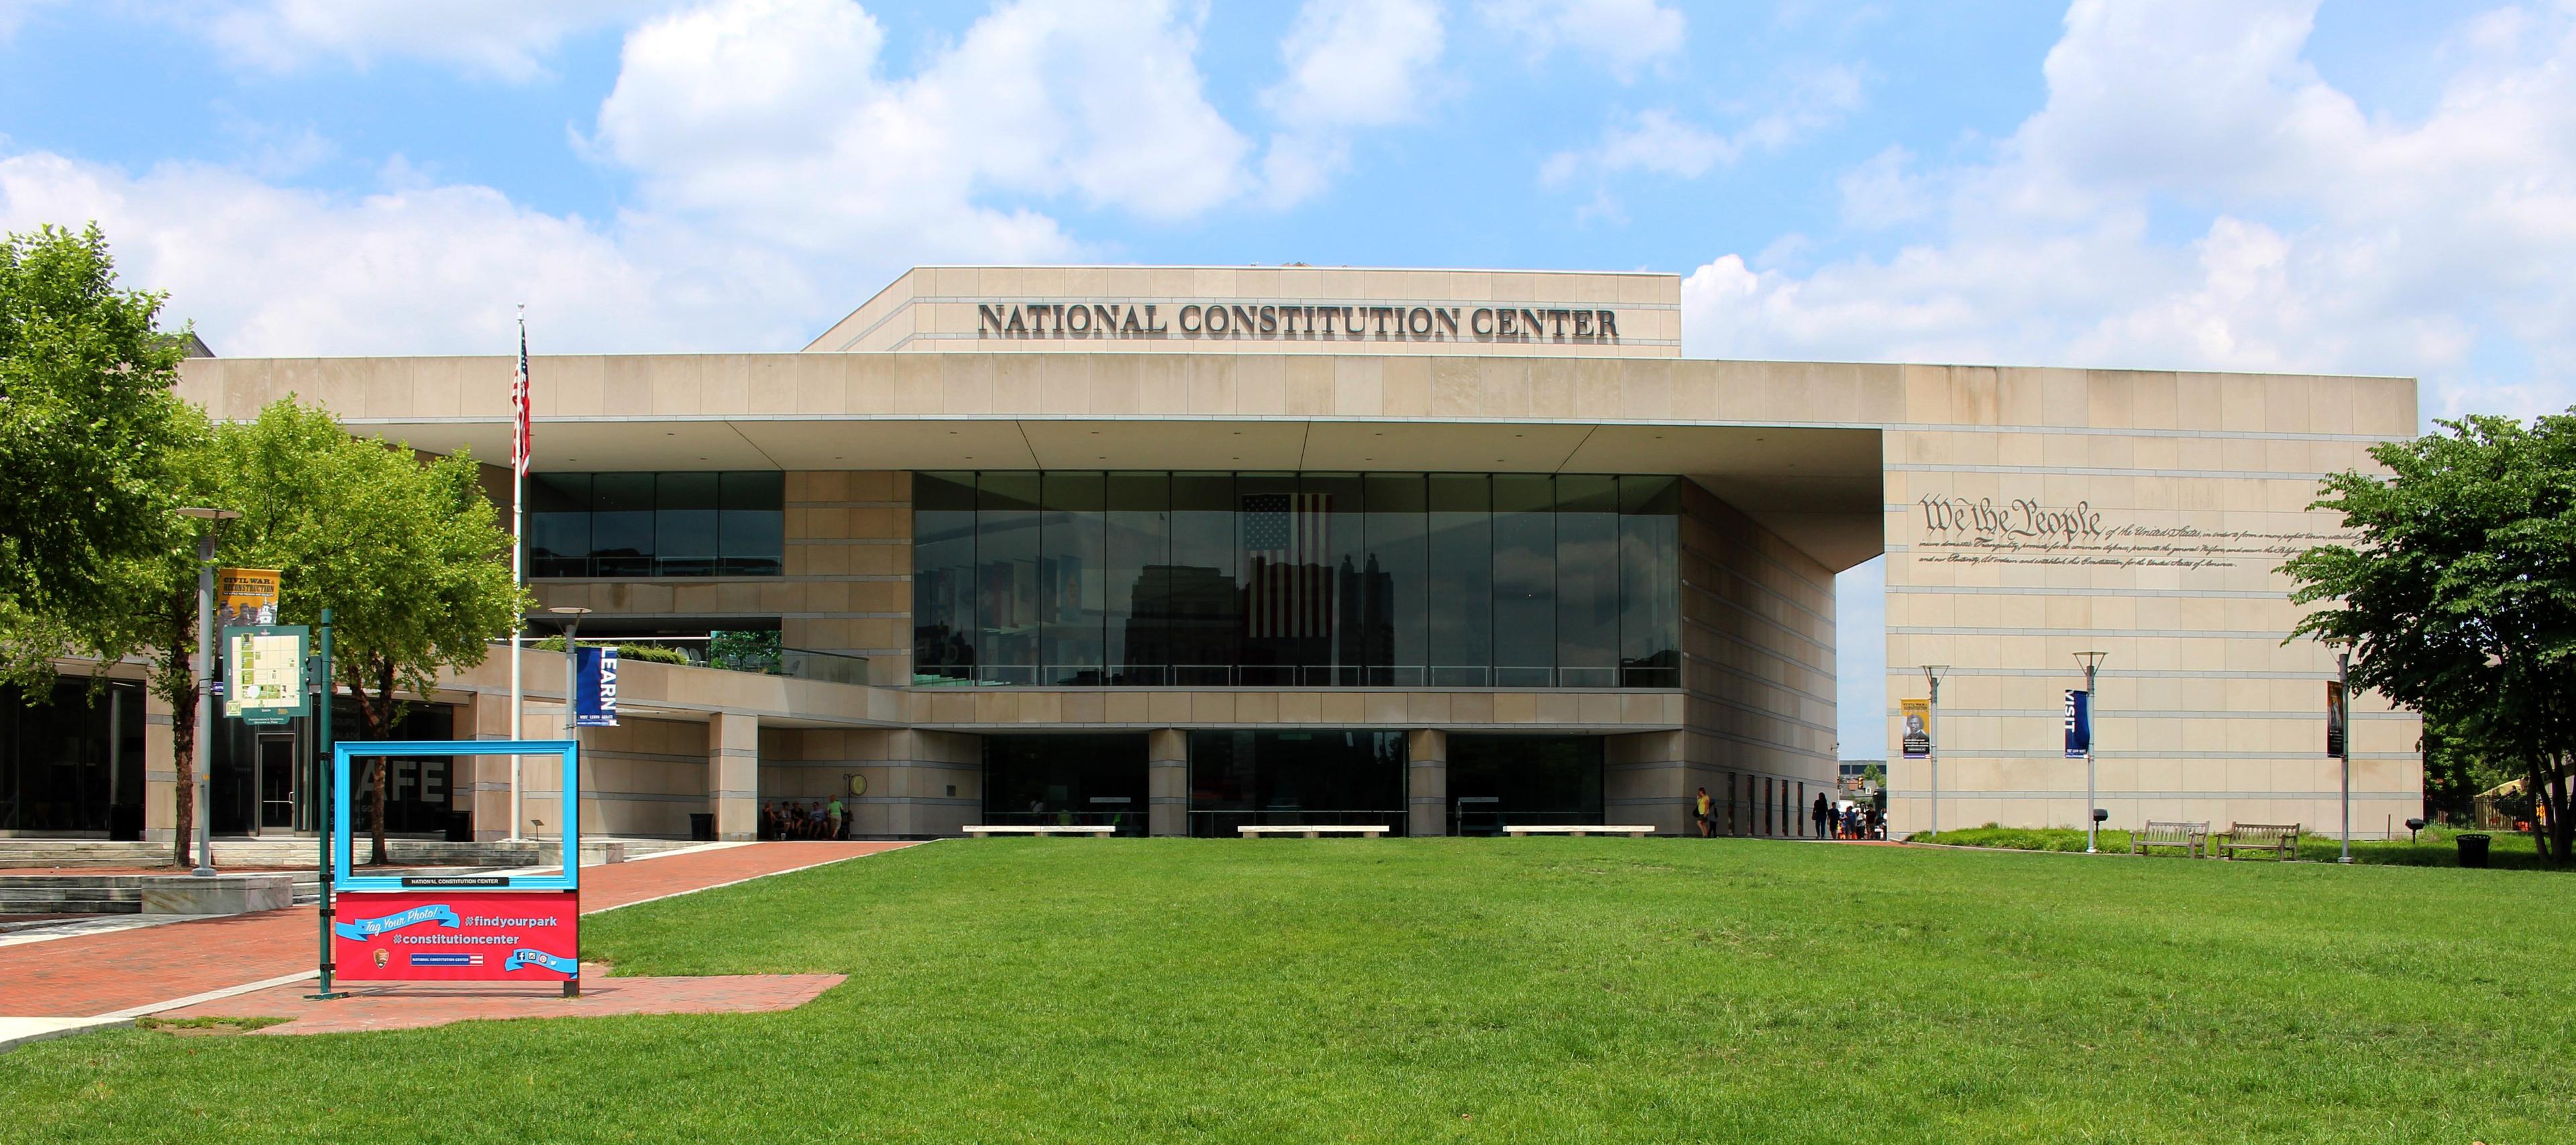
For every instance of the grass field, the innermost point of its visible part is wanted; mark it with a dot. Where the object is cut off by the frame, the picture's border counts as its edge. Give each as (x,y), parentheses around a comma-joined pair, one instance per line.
(1520,990)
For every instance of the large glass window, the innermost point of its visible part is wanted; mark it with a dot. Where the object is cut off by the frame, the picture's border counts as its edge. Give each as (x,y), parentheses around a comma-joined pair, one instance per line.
(943,578)
(1393,580)
(1140,576)
(656,524)
(1524,581)
(1461,523)
(1246,777)
(1650,582)
(1587,582)
(1072,593)
(1006,578)
(1066,780)
(1296,580)
(1499,779)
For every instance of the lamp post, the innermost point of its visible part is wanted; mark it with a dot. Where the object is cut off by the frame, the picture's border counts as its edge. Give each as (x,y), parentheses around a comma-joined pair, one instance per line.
(572,687)
(2092,662)
(206,682)
(1932,739)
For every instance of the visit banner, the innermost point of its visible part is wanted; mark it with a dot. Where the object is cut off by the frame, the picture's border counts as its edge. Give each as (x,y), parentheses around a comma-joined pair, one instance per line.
(2079,723)
(1918,727)
(443,936)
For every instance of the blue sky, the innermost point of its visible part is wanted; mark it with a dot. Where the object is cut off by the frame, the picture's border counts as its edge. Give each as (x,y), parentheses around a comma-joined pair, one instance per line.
(2365,187)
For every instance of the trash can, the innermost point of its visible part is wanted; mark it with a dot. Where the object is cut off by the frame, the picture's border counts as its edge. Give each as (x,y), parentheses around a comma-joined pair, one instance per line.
(2473,850)
(702,826)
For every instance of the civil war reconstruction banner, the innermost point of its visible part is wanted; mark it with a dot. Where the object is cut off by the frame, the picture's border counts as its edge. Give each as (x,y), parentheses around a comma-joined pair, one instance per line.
(508,936)
(1918,727)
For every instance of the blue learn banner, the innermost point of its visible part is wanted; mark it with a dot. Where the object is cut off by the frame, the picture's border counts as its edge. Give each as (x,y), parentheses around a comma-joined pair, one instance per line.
(595,691)
(2079,723)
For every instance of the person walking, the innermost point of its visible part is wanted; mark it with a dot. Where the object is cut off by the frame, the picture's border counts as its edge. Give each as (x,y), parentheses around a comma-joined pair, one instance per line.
(1821,814)
(1705,819)
(832,815)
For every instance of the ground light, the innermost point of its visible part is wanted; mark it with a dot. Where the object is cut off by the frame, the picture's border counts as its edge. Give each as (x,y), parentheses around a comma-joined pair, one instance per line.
(2093,815)
(206,680)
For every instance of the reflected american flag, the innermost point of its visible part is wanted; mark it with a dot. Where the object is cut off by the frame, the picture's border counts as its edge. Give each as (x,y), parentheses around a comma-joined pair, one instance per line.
(1291,589)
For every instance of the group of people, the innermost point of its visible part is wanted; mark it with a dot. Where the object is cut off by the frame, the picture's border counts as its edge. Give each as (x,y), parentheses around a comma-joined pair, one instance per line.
(1850,821)
(813,819)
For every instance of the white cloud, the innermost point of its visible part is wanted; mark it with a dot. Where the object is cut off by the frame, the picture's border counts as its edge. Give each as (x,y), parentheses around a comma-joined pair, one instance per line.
(1658,142)
(1625,35)
(508,39)
(2326,238)
(1349,64)
(772,118)
(266,270)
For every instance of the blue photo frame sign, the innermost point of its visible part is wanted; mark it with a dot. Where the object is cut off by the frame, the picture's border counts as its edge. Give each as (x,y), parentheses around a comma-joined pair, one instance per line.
(343,822)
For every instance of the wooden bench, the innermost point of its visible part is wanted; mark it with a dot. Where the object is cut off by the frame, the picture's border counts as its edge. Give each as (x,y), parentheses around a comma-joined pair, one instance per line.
(2193,838)
(1631,830)
(2280,838)
(1312,830)
(1095,830)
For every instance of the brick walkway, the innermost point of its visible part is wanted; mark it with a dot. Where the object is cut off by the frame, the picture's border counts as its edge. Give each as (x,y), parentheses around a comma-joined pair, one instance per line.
(105,973)
(412,1005)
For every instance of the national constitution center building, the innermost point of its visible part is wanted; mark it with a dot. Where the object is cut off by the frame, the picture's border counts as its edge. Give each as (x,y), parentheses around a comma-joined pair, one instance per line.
(1187,549)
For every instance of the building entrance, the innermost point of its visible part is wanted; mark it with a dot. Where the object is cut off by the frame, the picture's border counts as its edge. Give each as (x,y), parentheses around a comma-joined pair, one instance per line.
(1066,780)
(1246,778)
(1498,779)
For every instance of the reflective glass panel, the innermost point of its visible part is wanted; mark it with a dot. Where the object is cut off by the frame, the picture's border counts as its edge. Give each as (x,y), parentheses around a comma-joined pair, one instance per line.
(1140,577)
(1006,578)
(1587,582)
(558,524)
(1524,581)
(684,524)
(754,542)
(1072,596)
(1203,606)
(1650,582)
(621,524)
(943,578)
(1394,576)
(1461,547)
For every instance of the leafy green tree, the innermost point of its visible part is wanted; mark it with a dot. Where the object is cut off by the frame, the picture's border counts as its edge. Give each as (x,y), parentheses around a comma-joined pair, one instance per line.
(2459,599)
(406,550)
(90,433)
(97,454)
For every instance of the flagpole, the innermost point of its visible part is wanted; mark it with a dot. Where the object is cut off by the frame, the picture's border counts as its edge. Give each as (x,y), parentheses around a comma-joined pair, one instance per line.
(520,447)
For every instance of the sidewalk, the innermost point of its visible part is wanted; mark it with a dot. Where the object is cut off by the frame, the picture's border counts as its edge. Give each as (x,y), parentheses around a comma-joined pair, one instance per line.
(139,969)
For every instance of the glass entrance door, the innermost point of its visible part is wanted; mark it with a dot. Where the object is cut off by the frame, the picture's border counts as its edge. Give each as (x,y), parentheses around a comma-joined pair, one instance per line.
(276,783)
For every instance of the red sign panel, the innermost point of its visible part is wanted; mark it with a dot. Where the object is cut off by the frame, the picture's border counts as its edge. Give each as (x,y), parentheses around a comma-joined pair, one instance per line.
(429,935)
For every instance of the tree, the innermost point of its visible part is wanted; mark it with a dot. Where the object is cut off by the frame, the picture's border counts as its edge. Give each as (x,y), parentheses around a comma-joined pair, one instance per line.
(2459,597)
(407,551)
(97,454)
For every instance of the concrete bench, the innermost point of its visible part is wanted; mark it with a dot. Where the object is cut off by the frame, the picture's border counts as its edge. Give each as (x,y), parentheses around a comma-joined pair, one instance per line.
(1096,830)
(2193,838)
(1312,830)
(1631,830)
(2282,839)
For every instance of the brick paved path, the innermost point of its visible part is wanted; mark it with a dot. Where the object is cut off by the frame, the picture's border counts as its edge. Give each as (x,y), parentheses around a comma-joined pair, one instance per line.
(104,973)
(413,1005)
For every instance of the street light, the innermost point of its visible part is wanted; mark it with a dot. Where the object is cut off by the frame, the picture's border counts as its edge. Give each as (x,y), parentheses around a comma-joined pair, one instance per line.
(572,699)
(1932,740)
(2092,662)
(206,682)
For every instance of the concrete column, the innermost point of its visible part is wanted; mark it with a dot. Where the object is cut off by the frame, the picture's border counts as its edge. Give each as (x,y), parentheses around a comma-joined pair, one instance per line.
(1650,782)
(1167,782)
(733,774)
(160,771)
(1426,755)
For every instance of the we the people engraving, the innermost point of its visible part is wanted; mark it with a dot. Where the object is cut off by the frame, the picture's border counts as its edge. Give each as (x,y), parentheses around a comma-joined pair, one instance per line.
(2024,532)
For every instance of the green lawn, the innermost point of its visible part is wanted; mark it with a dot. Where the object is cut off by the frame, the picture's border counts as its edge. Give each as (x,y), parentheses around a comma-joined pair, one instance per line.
(1523,990)
(2432,847)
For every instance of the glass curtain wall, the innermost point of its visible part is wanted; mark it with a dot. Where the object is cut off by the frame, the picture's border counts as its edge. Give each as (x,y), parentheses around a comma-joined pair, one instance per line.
(1240,778)
(1296,580)
(656,524)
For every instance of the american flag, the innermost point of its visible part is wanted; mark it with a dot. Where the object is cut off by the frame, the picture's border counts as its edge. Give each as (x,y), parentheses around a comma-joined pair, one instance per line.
(522,442)
(1291,586)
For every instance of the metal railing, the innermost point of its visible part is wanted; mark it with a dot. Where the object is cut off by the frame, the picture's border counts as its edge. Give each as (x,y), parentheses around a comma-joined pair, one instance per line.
(1286,676)
(794,663)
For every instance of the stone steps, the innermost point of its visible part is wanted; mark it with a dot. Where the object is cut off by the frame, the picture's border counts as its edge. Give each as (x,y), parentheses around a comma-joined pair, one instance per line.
(281,853)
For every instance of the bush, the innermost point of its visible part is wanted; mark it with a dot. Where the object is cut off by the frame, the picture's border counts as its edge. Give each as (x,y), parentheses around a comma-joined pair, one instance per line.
(651,652)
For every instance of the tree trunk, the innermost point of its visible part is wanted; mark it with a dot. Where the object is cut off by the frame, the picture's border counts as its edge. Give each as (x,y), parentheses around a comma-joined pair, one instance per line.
(183,745)
(2559,797)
